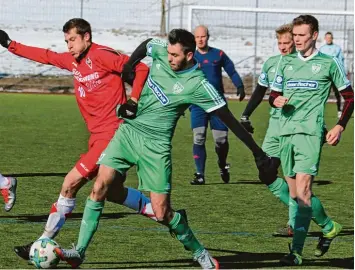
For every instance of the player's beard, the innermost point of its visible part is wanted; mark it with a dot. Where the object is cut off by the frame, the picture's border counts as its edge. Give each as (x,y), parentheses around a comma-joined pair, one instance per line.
(181,66)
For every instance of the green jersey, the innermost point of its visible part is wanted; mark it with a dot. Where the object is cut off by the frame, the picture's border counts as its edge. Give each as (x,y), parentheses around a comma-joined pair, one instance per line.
(267,77)
(167,94)
(306,83)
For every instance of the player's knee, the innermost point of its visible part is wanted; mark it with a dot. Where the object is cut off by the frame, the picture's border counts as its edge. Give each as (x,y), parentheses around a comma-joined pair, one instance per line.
(220,137)
(199,135)
(104,178)
(71,185)
(99,191)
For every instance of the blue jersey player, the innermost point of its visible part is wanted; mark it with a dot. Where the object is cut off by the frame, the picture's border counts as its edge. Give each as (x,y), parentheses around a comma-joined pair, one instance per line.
(211,61)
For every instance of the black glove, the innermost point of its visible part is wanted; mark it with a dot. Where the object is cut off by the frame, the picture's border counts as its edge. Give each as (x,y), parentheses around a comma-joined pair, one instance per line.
(128,74)
(241,92)
(4,39)
(244,120)
(268,168)
(128,110)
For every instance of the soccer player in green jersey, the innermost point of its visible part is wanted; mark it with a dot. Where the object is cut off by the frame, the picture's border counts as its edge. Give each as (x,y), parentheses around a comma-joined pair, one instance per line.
(278,186)
(174,82)
(301,88)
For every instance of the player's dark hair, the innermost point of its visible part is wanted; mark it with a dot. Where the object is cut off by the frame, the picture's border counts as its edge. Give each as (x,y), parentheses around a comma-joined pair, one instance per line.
(307,19)
(185,38)
(81,26)
(329,33)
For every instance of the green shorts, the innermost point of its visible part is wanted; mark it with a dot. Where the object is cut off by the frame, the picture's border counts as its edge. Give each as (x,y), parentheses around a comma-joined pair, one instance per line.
(271,143)
(152,158)
(300,153)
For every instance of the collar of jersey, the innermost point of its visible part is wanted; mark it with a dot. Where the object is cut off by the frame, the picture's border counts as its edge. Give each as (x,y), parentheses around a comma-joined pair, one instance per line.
(309,57)
(189,69)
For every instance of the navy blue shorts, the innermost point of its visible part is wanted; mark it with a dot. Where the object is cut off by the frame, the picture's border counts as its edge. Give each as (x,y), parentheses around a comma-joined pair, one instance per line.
(199,118)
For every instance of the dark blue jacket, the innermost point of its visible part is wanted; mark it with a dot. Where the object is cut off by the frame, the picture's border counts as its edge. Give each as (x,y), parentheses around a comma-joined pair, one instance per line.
(212,62)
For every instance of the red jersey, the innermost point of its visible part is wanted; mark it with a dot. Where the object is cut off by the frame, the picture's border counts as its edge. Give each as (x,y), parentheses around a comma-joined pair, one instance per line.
(98,85)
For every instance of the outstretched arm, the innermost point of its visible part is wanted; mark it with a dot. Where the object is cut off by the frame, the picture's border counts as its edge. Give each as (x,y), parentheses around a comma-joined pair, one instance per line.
(267,166)
(229,120)
(44,56)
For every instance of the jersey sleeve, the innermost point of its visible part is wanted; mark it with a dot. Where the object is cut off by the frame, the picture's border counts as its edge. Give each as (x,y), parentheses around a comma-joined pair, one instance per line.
(263,79)
(337,74)
(278,82)
(229,67)
(110,59)
(207,97)
(156,47)
(44,56)
(113,61)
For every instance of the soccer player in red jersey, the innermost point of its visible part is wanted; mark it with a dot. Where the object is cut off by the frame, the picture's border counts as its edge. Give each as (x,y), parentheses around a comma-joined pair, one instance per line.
(99,88)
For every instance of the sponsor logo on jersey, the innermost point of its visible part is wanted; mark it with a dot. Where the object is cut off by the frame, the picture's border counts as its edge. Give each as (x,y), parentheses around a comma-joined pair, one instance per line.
(273,70)
(263,76)
(178,88)
(279,79)
(313,85)
(158,92)
(158,66)
(149,49)
(84,167)
(81,91)
(88,62)
(289,68)
(316,68)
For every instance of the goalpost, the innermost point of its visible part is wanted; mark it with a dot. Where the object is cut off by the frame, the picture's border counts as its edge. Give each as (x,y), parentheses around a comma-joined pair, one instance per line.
(247,35)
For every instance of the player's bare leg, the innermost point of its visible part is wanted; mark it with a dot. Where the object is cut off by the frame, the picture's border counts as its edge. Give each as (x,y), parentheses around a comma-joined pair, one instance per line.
(303,218)
(66,203)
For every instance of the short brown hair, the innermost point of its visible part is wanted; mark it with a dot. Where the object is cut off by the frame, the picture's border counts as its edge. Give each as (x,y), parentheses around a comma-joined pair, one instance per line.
(82,26)
(283,29)
(307,19)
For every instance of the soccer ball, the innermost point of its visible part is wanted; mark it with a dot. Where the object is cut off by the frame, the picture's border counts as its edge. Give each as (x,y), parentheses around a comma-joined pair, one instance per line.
(42,254)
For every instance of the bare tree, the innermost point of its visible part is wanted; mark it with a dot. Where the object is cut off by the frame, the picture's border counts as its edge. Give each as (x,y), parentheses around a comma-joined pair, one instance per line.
(162,19)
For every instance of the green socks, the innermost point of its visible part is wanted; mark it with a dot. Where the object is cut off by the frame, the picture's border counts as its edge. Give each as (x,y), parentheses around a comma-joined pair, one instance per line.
(292,211)
(280,189)
(89,223)
(302,222)
(319,216)
(184,234)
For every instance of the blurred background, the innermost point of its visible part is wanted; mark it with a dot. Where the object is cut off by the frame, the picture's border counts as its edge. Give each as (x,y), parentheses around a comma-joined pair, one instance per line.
(244,29)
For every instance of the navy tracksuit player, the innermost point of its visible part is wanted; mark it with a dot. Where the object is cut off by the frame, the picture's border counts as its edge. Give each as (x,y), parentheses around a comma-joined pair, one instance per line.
(211,62)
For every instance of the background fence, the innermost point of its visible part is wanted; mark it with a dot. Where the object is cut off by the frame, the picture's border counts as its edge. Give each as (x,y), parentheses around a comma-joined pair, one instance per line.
(246,37)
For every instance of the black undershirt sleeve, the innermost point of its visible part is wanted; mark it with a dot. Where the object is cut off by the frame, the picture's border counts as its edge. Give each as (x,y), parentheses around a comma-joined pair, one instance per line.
(139,53)
(348,108)
(255,100)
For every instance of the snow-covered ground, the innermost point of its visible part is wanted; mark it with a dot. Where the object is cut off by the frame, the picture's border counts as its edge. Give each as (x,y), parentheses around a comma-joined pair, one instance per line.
(123,25)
